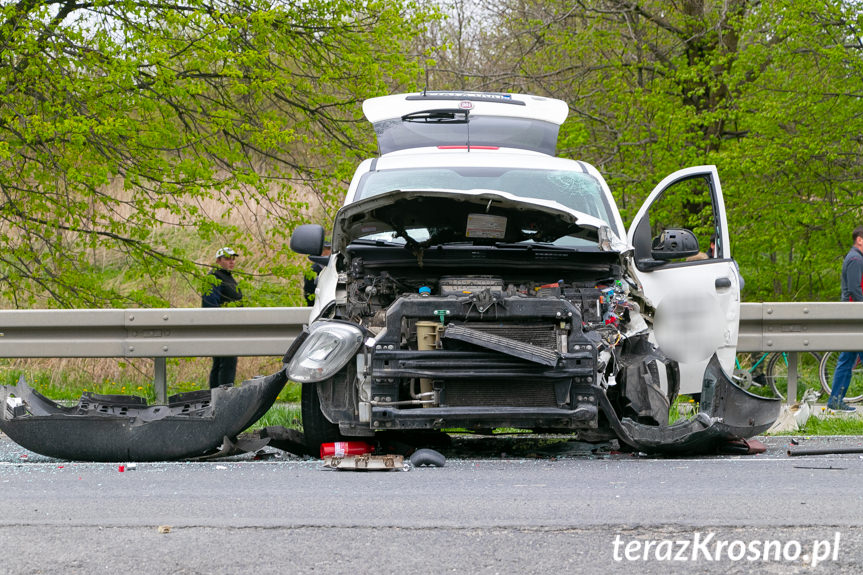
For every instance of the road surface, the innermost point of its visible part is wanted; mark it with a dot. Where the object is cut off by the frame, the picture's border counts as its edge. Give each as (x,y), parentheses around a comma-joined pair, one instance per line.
(527,511)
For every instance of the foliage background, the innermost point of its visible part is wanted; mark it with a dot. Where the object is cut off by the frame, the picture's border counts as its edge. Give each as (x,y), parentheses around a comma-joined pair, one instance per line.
(138,137)
(770,92)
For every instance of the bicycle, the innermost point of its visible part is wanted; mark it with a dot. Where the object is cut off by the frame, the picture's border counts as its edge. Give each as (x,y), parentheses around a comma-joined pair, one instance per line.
(825,371)
(748,370)
(769,371)
(808,373)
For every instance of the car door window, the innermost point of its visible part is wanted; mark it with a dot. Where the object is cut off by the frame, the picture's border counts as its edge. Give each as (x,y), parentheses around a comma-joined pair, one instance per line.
(687,204)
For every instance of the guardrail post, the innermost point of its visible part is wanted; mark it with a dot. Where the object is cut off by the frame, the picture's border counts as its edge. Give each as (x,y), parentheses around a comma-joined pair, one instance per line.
(791,392)
(160,380)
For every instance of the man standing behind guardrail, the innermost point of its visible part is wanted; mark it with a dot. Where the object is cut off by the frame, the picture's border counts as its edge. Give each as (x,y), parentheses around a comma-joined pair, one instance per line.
(852,290)
(222,292)
(311,283)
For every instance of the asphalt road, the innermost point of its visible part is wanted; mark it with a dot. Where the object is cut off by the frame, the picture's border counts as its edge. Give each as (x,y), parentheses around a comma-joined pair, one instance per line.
(527,512)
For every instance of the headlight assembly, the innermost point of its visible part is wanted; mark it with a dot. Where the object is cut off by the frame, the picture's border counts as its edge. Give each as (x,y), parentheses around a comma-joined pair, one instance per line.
(327,349)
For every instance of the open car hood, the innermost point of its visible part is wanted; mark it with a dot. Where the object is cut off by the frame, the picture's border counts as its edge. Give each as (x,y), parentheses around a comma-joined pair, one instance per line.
(481,217)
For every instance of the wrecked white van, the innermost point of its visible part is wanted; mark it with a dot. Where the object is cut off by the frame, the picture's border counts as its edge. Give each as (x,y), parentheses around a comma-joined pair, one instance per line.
(478,282)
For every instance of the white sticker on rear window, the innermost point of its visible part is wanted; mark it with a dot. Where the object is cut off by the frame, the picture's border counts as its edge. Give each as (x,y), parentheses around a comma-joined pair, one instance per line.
(485,226)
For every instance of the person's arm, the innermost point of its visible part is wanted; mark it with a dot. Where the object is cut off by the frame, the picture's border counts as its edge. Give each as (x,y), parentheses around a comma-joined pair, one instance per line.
(212,294)
(854,278)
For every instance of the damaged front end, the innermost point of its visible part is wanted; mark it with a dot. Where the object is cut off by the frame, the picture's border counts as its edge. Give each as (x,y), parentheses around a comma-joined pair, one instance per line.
(480,311)
(125,428)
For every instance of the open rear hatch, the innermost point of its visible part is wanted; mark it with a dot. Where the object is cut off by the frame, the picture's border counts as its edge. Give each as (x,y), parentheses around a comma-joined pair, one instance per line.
(448,119)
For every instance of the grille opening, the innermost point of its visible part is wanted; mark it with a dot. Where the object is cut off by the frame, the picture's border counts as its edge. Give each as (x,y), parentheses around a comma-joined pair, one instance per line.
(541,335)
(525,393)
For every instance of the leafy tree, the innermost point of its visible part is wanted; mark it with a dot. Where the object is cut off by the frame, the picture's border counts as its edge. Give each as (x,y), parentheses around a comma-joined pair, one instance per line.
(133,133)
(768,91)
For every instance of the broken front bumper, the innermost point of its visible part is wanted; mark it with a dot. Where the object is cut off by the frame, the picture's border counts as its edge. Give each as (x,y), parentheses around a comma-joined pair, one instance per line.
(125,428)
(727,412)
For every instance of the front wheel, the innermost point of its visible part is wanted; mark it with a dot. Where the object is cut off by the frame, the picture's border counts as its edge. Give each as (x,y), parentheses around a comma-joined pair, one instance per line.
(828,367)
(317,429)
(776,373)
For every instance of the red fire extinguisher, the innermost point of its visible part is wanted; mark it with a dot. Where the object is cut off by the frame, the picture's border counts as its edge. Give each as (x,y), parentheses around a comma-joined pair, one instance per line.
(343,448)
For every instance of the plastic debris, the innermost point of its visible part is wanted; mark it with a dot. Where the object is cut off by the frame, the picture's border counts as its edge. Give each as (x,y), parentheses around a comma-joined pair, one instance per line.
(428,457)
(366,462)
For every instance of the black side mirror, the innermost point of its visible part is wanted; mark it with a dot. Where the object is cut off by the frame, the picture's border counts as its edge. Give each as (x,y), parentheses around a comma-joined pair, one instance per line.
(308,239)
(674,244)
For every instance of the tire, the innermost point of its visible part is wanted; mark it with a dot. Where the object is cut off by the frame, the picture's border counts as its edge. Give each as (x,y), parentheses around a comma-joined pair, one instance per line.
(317,429)
(826,369)
(808,370)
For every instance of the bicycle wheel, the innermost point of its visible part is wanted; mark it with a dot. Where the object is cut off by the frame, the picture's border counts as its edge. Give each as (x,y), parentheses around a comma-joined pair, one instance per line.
(808,370)
(828,366)
(749,372)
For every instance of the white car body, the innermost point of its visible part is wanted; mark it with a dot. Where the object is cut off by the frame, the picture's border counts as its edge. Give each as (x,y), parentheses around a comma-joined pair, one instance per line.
(658,284)
(487,159)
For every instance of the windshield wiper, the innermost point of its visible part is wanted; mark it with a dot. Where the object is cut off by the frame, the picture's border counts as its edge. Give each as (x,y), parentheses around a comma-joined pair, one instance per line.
(530,245)
(439,116)
(375,242)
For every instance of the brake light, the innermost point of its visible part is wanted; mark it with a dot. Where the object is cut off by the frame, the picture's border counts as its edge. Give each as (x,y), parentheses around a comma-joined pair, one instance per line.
(468,147)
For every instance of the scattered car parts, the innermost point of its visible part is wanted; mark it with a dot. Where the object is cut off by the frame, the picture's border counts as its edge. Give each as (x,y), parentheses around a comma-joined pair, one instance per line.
(366,462)
(125,428)
(428,457)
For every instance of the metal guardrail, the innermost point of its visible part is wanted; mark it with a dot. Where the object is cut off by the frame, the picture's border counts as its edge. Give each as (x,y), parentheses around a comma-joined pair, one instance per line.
(156,333)
(801,326)
(794,327)
(170,332)
(185,332)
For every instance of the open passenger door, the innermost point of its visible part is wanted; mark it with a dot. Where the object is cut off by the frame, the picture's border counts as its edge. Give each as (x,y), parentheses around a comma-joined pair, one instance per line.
(694,287)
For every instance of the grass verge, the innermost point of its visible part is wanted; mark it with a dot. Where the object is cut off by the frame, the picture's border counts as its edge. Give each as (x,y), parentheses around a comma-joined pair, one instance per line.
(282,413)
(830,425)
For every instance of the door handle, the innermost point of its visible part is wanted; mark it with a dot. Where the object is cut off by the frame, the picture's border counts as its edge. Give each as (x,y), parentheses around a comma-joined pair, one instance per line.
(723,283)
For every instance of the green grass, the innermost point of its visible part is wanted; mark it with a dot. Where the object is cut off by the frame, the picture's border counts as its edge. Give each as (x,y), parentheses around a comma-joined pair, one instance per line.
(67,386)
(683,407)
(282,413)
(830,425)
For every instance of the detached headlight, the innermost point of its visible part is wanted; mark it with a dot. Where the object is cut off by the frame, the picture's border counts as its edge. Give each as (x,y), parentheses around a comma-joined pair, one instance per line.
(327,349)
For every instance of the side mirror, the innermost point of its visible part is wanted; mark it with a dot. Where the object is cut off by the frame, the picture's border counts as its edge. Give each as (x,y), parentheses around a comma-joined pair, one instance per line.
(674,244)
(308,239)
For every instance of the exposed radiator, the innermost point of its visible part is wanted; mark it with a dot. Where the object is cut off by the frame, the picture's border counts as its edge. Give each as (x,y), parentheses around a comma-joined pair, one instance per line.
(541,335)
(499,393)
